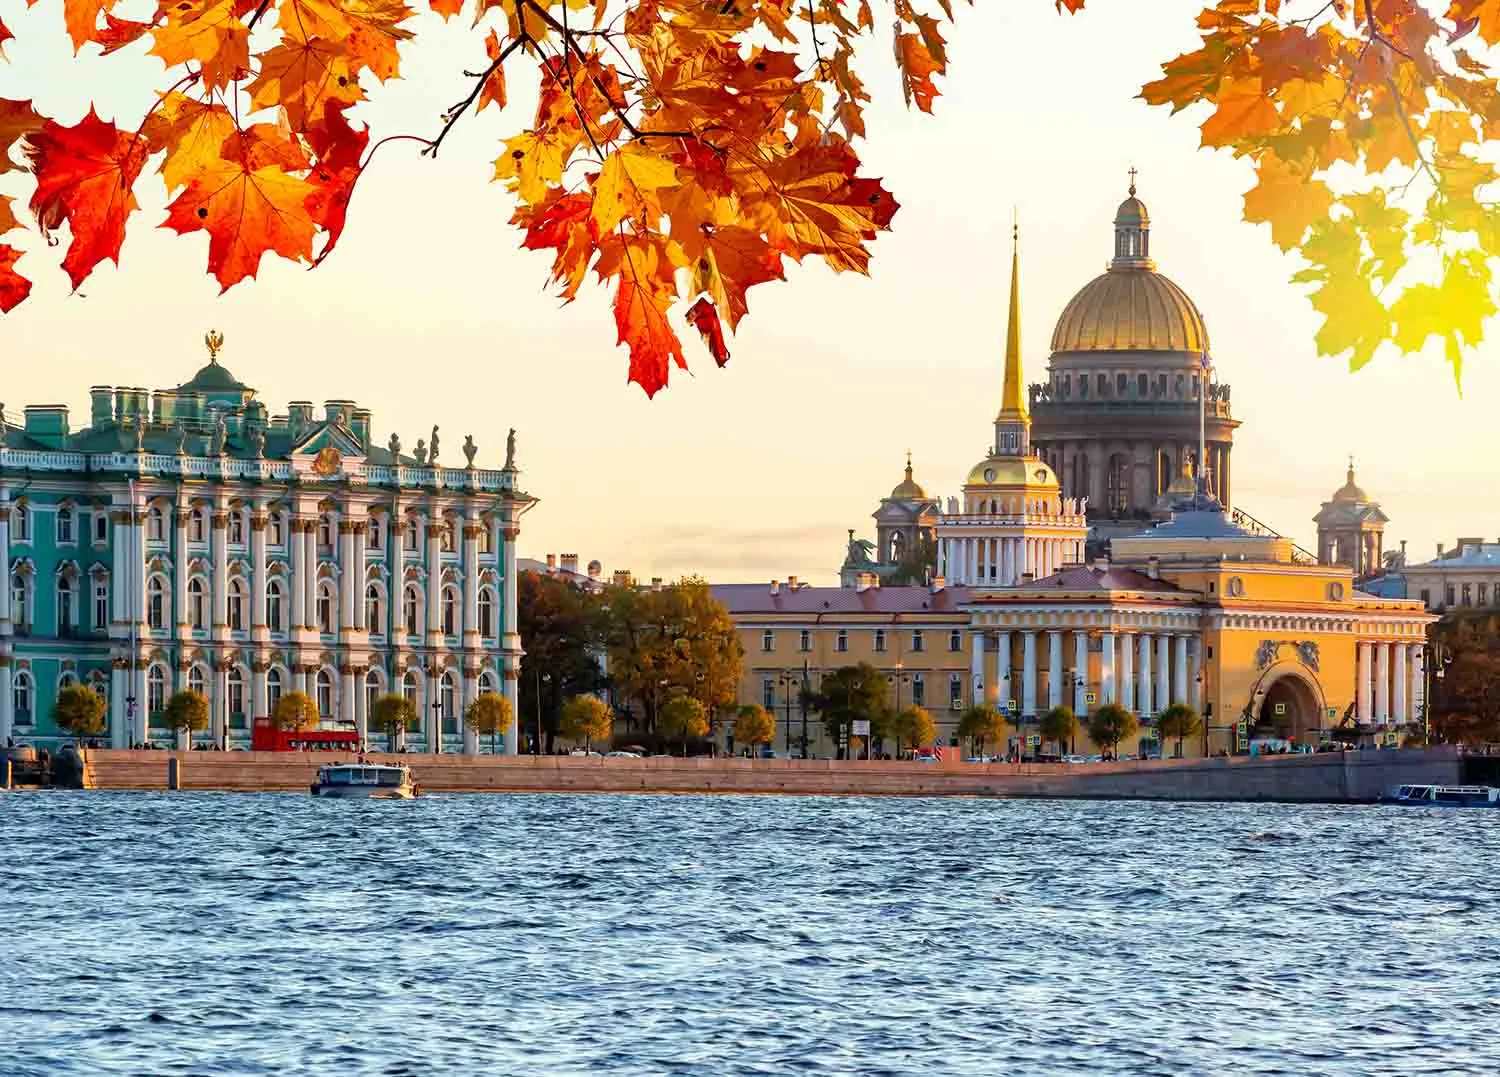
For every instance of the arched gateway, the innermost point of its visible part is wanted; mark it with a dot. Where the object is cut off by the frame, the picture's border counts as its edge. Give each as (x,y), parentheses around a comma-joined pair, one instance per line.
(1289,706)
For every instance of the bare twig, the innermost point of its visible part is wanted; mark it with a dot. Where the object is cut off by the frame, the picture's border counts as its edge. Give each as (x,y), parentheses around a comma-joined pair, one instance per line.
(451,117)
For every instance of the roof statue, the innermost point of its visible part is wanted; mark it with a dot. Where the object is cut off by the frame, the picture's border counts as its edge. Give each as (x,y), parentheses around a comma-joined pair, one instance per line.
(420,452)
(215,340)
(510,450)
(470,449)
(859,552)
(432,452)
(394,446)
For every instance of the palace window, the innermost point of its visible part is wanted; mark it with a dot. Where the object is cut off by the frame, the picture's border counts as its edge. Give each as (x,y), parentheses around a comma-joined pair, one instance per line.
(20,523)
(1427,597)
(409,688)
(234,684)
(450,611)
(486,612)
(955,692)
(447,695)
(879,639)
(198,681)
(101,526)
(156,603)
(413,534)
(374,621)
(1143,385)
(20,601)
(275,534)
(273,605)
(65,524)
(768,641)
(804,641)
(916,641)
(1483,594)
(325,533)
(101,606)
(1449,595)
(156,690)
(197,603)
(21,696)
(156,524)
(372,690)
(325,694)
(1468,594)
(842,643)
(236,527)
(918,691)
(1083,386)
(955,640)
(1102,382)
(768,693)
(1122,384)
(410,606)
(325,608)
(198,526)
(68,680)
(67,610)
(375,530)
(273,689)
(236,605)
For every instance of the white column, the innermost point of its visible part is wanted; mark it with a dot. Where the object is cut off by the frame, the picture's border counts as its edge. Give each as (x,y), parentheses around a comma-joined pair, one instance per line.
(119,576)
(346,694)
(1143,675)
(434,580)
(310,581)
(5,627)
(1180,670)
(7,705)
(142,722)
(976,667)
(219,535)
(218,706)
(973,545)
(258,576)
(1400,674)
(180,518)
(510,639)
(138,587)
(1127,672)
(361,540)
(472,528)
(434,723)
(1005,691)
(349,584)
(1383,683)
(1028,674)
(470,691)
(1163,668)
(361,708)
(300,572)
(1197,675)
(259,705)
(1418,705)
(1107,667)
(1054,669)
(1080,672)
(1362,683)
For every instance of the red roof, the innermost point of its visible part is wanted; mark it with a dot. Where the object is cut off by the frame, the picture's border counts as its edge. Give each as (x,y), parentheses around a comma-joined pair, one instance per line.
(747,598)
(1087,578)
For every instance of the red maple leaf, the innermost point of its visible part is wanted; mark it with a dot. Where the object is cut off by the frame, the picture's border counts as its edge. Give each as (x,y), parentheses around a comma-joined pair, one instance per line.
(13,286)
(339,148)
(705,318)
(84,176)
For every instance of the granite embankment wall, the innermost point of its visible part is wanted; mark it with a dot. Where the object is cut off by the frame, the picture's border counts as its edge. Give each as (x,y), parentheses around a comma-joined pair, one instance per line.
(1332,777)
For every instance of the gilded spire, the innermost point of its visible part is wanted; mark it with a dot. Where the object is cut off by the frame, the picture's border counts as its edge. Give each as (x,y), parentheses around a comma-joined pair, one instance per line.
(1011,400)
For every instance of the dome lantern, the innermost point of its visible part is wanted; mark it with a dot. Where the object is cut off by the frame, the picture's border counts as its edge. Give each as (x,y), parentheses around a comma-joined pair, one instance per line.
(1132,233)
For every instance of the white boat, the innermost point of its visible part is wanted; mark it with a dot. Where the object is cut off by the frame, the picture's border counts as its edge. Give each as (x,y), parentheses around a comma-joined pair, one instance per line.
(377,781)
(1446,796)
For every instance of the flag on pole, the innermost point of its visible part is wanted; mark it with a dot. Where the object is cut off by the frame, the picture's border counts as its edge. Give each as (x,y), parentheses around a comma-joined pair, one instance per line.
(1207,363)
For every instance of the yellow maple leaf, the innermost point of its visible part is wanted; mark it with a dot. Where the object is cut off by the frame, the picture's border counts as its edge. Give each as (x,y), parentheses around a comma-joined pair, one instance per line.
(628,181)
(208,33)
(1244,113)
(1455,309)
(1286,199)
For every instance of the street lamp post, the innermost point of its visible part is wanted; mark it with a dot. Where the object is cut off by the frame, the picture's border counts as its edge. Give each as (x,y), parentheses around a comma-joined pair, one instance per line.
(898,679)
(1434,662)
(802,706)
(787,681)
(539,679)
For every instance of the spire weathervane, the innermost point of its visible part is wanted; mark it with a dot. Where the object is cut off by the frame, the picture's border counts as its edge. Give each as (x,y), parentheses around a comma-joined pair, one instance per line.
(214,340)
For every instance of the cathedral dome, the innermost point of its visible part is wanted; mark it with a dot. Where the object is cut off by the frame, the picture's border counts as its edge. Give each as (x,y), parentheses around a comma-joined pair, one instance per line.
(1013,472)
(1351,490)
(1131,307)
(908,489)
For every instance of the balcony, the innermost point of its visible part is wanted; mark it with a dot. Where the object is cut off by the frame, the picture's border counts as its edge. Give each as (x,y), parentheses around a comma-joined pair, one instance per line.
(1047,401)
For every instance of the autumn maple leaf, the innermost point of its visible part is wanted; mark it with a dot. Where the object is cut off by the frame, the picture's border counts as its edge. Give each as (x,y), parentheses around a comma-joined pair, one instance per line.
(340,150)
(207,34)
(13,287)
(249,203)
(84,176)
(17,120)
(703,317)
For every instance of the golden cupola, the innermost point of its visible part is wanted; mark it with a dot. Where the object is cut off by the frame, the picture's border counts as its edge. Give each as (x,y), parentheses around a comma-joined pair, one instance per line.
(1131,307)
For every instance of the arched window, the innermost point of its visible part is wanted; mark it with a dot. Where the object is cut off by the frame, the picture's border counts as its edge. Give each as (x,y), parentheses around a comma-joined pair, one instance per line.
(68,680)
(197,603)
(325,693)
(487,683)
(411,602)
(156,525)
(20,524)
(20,601)
(413,540)
(409,687)
(234,690)
(273,605)
(374,530)
(198,525)
(65,523)
(22,695)
(101,525)
(448,695)
(326,604)
(372,690)
(1117,484)
(156,690)
(198,681)
(448,541)
(236,605)
(325,532)
(67,605)
(156,603)
(101,605)
(275,534)
(450,611)
(236,527)
(374,611)
(486,612)
(273,690)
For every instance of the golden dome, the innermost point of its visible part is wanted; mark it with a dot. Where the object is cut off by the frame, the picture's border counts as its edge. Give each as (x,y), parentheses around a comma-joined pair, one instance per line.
(1130,309)
(908,489)
(1132,211)
(1350,491)
(1012,472)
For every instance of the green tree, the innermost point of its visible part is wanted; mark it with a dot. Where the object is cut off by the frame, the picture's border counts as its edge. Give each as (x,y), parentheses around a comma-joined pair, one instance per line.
(851,694)
(394,715)
(913,725)
(982,724)
(1178,720)
(489,715)
(1466,698)
(79,710)
(1111,724)
(186,713)
(683,718)
(294,710)
(1059,726)
(563,625)
(587,718)
(672,641)
(754,725)
(917,565)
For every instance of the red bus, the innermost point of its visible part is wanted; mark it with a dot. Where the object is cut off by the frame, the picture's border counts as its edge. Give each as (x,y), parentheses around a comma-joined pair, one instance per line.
(264,737)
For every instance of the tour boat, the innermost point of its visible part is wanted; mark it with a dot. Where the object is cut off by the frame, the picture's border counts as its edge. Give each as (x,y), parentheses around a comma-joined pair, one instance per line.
(1446,796)
(365,780)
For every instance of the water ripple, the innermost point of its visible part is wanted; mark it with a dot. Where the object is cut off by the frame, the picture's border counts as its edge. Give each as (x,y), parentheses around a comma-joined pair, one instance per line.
(210,934)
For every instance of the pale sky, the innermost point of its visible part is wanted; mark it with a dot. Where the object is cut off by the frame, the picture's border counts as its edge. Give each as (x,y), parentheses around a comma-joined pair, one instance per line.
(430,313)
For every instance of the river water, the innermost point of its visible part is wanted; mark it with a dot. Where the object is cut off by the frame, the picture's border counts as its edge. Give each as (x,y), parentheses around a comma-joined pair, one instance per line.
(275,934)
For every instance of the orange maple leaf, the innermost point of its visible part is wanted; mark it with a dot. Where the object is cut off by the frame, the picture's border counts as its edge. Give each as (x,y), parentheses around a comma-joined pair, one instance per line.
(13,287)
(703,317)
(248,203)
(645,267)
(446,8)
(340,150)
(85,175)
(369,30)
(1288,199)
(82,19)
(494,86)
(302,76)
(191,131)
(17,120)
(563,223)
(208,33)
(1243,113)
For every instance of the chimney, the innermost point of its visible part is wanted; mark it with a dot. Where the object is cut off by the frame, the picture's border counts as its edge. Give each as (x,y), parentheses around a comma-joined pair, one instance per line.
(622,578)
(866,581)
(656,583)
(552,562)
(1101,564)
(791,583)
(1153,568)
(1440,549)
(570,563)
(1028,577)
(937,584)
(776,587)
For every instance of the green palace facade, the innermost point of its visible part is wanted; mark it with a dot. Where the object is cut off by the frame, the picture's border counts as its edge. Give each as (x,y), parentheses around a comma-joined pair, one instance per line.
(187,538)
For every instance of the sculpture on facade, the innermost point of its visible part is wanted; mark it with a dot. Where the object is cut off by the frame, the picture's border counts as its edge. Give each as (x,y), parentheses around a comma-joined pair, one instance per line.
(140,436)
(179,439)
(2,424)
(859,552)
(470,449)
(258,441)
(1307,651)
(1266,653)
(394,447)
(432,450)
(221,435)
(420,452)
(510,449)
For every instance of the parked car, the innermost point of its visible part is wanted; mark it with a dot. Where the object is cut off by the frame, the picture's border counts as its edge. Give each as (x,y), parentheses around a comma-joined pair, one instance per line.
(619,755)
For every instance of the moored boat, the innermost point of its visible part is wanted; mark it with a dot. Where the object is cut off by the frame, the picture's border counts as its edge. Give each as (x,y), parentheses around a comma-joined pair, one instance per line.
(1445,796)
(378,781)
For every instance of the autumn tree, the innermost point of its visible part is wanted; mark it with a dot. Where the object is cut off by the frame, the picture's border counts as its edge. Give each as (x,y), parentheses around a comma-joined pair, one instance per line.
(982,724)
(683,718)
(394,715)
(587,719)
(79,710)
(685,152)
(1111,724)
(562,627)
(1466,698)
(913,725)
(753,725)
(848,695)
(186,713)
(1059,726)
(1180,721)
(294,710)
(489,715)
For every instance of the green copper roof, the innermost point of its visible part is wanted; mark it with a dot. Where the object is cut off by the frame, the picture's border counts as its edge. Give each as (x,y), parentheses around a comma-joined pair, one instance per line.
(212,378)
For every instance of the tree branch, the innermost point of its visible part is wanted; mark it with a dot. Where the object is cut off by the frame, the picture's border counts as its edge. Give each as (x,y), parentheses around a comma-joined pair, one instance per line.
(451,117)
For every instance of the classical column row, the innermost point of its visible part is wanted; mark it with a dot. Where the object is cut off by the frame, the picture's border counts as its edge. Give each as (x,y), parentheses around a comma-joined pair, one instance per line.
(1002,562)
(1143,671)
(1388,683)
